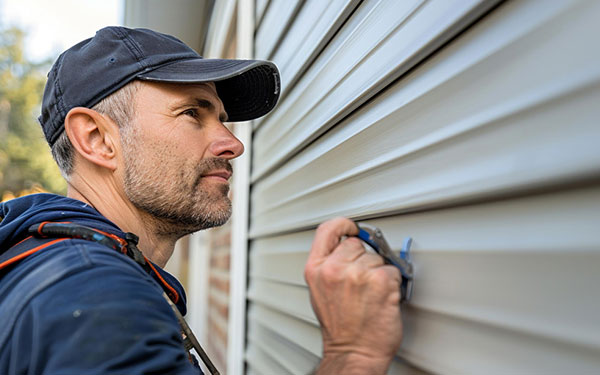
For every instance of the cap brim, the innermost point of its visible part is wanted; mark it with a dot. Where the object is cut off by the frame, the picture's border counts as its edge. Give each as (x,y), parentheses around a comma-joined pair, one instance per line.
(248,88)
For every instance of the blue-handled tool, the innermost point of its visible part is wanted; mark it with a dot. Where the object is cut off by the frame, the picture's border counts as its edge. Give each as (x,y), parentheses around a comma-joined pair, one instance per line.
(373,237)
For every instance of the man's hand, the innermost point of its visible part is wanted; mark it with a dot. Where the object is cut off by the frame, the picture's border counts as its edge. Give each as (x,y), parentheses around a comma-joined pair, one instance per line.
(356,299)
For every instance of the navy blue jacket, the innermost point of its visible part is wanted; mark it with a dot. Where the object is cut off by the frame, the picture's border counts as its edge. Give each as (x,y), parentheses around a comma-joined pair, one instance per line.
(78,307)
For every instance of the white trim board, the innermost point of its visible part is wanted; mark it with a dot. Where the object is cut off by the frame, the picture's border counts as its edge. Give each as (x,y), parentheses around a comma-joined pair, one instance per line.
(241,201)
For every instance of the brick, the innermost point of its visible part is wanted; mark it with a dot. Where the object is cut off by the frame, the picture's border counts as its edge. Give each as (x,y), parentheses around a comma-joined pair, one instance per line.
(222,309)
(219,283)
(214,327)
(220,260)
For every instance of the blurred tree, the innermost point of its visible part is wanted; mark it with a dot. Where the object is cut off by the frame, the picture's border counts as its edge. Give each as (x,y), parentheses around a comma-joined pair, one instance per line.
(25,159)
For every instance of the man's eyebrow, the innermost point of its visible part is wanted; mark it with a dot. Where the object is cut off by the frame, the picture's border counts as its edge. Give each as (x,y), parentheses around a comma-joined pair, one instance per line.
(203,103)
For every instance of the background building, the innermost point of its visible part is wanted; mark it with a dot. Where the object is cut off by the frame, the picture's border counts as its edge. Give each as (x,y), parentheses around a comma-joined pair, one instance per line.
(469,125)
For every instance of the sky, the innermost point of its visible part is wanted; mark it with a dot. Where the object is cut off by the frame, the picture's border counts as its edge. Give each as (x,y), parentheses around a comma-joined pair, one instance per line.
(54,25)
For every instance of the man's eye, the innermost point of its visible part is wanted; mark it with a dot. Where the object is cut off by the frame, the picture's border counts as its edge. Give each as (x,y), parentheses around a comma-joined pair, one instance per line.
(190,112)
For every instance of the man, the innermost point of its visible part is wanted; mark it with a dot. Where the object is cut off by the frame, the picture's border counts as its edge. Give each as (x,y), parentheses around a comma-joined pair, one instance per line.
(134,119)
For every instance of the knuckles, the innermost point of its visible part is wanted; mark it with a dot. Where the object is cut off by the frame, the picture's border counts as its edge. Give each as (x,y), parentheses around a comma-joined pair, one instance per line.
(328,273)
(353,242)
(331,273)
(381,280)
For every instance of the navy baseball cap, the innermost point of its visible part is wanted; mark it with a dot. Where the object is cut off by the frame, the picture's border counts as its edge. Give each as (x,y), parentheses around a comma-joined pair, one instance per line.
(91,70)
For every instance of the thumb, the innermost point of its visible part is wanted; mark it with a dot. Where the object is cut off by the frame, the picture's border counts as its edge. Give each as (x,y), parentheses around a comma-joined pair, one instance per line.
(328,236)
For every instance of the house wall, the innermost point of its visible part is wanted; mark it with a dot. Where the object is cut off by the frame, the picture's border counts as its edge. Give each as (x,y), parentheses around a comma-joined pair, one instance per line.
(469,126)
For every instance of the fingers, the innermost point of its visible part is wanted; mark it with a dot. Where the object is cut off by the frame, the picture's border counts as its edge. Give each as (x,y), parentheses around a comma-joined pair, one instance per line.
(370,260)
(352,250)
(392,273)
(328,237)
(348,250)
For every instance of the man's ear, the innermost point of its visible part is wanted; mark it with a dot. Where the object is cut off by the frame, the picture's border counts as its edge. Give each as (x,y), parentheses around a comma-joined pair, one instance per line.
(93,136)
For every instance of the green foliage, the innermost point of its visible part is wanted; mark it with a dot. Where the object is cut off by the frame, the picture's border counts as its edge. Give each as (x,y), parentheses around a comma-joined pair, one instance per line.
(25,158)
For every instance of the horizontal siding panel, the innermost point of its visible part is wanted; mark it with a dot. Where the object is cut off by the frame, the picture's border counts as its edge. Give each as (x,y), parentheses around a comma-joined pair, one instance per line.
(312,28)
(285,298)
(454,131)
(447,345)
(259,10)
(328,54)
(261,362)
(348,26)
(401,367)
(278,334)
(302,333)
(270,258)
(276,20)
(389,39)
(294,358)
(516,277)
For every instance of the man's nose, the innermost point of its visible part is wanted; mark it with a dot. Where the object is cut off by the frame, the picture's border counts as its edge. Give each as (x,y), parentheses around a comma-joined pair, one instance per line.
(224,144)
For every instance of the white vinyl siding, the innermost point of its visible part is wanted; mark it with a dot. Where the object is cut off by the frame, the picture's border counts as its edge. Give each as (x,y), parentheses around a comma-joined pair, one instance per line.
(312,29)
(277,18)
(382,40)
(485,153)
(484,286)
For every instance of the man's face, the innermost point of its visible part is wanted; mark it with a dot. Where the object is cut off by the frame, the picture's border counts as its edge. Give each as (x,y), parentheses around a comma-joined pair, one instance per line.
(176,156)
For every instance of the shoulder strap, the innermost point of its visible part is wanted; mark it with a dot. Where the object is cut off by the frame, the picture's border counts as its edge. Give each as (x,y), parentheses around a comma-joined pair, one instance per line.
(48,233)
(24,248)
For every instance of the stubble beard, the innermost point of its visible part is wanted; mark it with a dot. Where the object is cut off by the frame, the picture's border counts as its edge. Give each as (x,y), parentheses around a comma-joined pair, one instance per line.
(177,200)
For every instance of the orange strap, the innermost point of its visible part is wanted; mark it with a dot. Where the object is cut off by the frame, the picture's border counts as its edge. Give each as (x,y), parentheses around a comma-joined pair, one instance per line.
(29,252)
(172,292)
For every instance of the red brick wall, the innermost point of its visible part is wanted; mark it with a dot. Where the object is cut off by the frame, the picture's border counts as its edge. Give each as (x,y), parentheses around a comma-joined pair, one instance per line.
(218,291)
(218,295)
